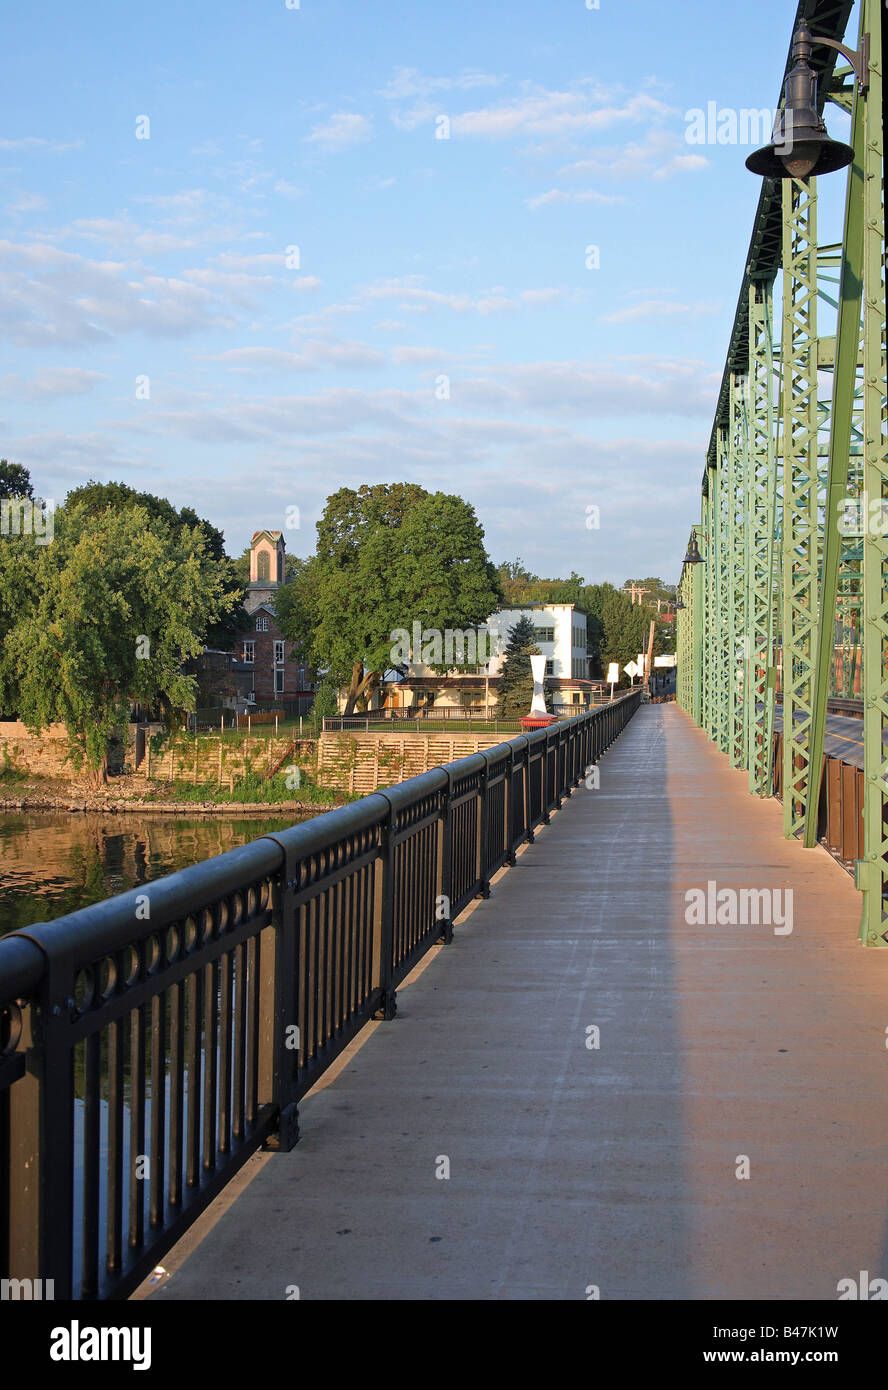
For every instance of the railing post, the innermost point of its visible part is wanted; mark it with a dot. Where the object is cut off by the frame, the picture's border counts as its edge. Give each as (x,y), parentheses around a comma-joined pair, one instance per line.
(388,1004)
(42,1121)
(446,885)
(546,816)
(566,741)
(510,793)
(278,1058)
(483,830)
(528,796)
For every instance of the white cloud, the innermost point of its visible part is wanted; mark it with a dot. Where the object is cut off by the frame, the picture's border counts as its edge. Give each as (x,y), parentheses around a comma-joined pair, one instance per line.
(314,353)
(409,82)
(659,308)
(682,164)
(49,296)
(288,190)
(409,356)
(411,294)
(26,202)
(49,382)
(38,142)
(656,155)
(343,129)
(558,195)
(571,112)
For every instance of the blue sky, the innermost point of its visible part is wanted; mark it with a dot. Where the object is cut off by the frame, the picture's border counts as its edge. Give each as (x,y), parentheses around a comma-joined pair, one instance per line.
(420,258)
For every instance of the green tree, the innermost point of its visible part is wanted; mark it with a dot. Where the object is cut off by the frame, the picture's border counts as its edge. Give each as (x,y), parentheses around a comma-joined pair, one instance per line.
(15,480)
(653,589)
(96,498)
(516,680)
(326,703)
(109,613)
(521,587)
(621,628)
(388,556)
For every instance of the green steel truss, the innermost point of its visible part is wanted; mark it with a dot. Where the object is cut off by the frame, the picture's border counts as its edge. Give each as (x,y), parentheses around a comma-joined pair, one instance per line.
(723,648)
(800,490)
(761,498)
(873,869)
(737,561)
(787,598)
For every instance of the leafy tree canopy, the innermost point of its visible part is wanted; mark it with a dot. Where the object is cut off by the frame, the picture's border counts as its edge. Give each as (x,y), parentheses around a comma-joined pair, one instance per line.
(105,615)
(15,480)
(388,555)
(623,628)
(654,589)
(96,498)
(516,679)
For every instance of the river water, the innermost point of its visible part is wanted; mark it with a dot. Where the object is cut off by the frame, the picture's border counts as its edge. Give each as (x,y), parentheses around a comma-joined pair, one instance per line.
(52,863)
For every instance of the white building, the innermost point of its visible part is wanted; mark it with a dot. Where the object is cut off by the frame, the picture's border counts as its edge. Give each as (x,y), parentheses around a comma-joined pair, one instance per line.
(560,636)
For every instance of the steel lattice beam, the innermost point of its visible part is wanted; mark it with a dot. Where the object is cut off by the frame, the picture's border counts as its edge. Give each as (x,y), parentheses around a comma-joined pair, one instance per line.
(872,872)
(761,497)
(800,490)
(778,566)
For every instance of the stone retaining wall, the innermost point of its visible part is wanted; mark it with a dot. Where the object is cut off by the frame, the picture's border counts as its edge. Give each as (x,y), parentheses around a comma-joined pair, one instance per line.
(41,755)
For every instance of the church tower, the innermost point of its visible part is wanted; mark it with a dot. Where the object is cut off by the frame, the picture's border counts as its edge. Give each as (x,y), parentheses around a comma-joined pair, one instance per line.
(268,568)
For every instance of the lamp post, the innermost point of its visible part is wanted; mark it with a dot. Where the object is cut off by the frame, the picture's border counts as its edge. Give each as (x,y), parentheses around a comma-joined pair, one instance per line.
(693,556)
(800,146)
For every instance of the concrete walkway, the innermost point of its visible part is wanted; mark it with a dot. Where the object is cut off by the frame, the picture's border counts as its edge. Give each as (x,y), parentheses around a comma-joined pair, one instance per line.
(615,1167)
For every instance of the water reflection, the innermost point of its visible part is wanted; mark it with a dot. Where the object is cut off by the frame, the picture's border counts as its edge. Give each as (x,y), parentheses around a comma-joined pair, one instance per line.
(53,863)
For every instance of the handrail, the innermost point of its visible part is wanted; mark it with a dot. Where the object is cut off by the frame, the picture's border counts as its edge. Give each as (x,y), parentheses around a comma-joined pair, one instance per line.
(150,1043)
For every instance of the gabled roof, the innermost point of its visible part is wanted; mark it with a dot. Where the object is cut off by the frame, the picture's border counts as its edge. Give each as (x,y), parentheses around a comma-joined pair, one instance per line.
(273,536)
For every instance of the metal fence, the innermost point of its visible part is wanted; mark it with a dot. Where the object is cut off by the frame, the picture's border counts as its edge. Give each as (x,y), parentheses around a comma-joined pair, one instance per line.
(150,1043)
(380,721)
(453,717)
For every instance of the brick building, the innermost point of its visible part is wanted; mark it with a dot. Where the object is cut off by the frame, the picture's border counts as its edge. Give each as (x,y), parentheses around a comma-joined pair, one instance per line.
(280,675)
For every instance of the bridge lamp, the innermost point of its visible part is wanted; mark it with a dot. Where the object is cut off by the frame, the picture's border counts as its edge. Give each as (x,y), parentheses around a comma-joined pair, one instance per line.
(693,556)
(800,145)
(679,605)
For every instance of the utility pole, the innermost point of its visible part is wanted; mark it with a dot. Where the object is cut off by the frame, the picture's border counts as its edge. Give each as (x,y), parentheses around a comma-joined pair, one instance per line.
(636,591)
(649,660)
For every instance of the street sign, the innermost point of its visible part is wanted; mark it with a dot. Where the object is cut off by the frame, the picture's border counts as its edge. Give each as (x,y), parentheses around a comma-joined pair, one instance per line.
(669,660)
(613,672)
(631,670)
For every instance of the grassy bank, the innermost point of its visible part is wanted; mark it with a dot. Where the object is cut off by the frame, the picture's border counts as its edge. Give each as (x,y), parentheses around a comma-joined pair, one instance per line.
(251,788)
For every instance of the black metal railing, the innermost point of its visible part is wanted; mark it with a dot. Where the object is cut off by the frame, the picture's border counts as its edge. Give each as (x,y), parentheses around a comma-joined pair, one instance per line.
(451,717)
(150,1043)
(402,722)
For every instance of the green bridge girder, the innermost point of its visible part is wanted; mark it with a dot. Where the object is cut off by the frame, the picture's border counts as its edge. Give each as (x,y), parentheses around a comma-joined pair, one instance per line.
(793,530)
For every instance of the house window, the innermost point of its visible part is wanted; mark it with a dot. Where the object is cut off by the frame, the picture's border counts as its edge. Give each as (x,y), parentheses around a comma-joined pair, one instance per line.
(249,653)
(279,654)
(261,624)
(278,682)
(550,667)
(576,697)
(545,634)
